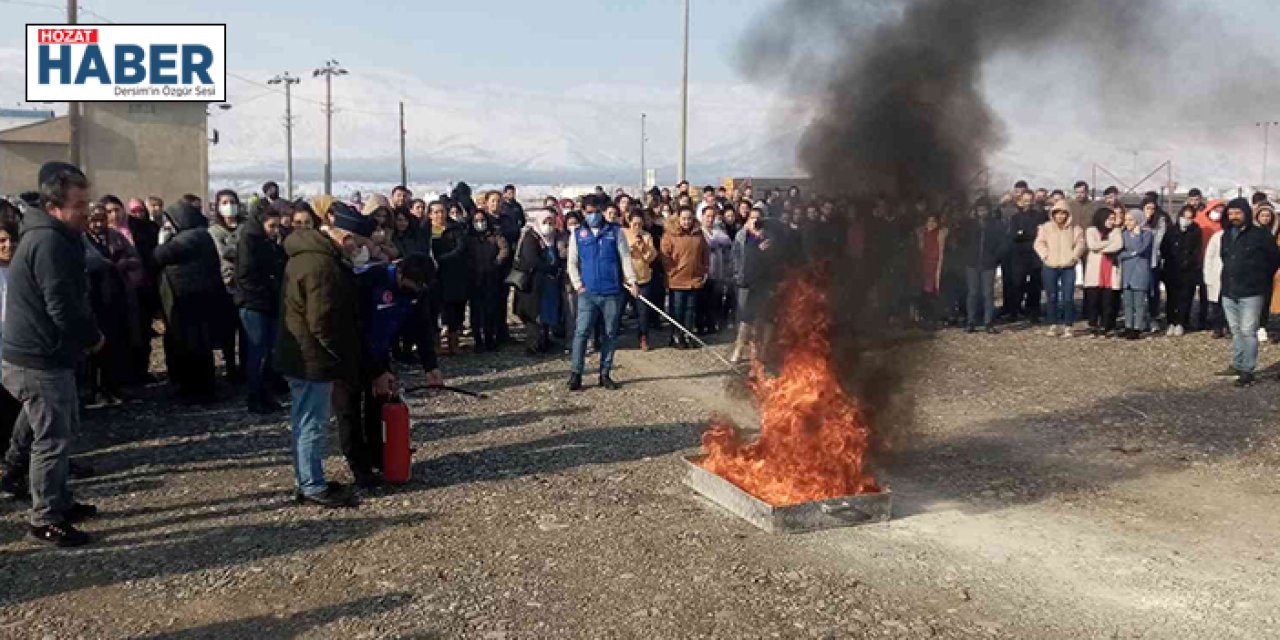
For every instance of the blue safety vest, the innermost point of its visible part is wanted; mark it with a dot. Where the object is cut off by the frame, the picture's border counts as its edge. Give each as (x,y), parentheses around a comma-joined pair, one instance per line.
(390,307)
(598,260)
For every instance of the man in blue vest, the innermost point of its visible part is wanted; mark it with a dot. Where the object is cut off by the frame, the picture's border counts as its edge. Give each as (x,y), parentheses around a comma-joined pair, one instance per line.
(600,269)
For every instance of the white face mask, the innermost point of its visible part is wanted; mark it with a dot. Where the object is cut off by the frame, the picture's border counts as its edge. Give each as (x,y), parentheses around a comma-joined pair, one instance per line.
(1215,216)
(361,257)
(480,226)
(228,210)
(548,230)
(1184,223)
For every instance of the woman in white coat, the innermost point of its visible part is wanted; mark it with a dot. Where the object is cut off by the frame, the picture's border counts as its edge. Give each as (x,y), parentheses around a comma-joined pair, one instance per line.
(1213,279)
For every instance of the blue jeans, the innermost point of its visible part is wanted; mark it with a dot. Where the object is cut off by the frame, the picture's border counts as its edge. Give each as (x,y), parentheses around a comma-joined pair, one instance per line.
(590,307)
(259,340)
(1243,315)
(1060,289)
(683,304)
(43,435)
(981,287)
(1135,309)
(309,416)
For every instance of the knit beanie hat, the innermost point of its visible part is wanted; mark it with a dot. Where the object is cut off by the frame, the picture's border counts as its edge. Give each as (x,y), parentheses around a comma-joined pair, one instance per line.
(345,218)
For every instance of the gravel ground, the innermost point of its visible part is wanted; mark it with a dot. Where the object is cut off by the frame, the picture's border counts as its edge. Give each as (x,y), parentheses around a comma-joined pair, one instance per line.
(1049,488)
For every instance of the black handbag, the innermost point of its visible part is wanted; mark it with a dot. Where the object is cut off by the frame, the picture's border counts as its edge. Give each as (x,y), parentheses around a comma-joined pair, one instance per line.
(519,279)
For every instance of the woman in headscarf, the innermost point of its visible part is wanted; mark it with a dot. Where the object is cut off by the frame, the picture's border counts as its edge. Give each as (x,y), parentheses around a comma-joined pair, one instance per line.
(449,246)
(538,258)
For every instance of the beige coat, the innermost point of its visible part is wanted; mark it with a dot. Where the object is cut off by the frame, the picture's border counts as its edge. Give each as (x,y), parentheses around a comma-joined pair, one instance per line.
(1097,246)
(643,253)
(1060,247)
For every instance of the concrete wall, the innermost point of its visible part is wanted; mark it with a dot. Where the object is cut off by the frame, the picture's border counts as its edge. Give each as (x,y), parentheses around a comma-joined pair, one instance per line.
(139,149)
(20,162)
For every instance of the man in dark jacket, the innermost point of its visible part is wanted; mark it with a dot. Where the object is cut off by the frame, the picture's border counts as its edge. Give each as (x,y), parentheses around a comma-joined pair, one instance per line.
(259,268)
(49,327)
(1024,281)
(194,300)
(1249,261)
(981,245)
(318,344)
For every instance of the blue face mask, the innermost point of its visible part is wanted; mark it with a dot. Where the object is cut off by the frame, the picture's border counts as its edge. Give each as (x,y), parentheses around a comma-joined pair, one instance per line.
(595,220)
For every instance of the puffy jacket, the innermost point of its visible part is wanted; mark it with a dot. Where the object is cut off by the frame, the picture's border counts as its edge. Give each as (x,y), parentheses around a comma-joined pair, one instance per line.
(48,322)
(319,337)
(226,240)
(259,268)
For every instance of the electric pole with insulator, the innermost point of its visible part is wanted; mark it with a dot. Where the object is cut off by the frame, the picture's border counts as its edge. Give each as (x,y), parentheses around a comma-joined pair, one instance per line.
(329,70)
(288,81)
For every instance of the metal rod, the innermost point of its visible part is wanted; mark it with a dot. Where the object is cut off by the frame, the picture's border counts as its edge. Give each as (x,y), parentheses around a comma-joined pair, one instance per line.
(328,134)
(644,174)
(73,108)
(404,168)
(288,138)
(441,387)
(706,349)
(684,101)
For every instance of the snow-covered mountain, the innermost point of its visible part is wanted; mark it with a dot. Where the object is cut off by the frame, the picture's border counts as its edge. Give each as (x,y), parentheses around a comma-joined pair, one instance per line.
(488,133)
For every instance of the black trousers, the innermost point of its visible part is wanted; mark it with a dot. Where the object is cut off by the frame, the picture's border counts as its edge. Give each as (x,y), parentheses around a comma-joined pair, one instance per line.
(191,369)
(488,312)
(359,415)
(709,309)
(1178,307)
(9,410)
(1027,286)
(1101,307)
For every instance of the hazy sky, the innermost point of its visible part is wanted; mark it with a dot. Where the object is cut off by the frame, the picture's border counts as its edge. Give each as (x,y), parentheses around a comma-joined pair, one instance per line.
(526,43)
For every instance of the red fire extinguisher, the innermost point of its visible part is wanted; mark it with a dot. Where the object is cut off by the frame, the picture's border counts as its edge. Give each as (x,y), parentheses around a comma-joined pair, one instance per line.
(395,442)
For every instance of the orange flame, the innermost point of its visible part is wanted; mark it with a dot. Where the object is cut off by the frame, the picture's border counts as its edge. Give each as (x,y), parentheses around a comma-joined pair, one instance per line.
(813,435)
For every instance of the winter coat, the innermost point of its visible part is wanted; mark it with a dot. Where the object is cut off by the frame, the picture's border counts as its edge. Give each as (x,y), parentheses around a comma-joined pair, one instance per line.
(1213,267)
(193,296)
(1023,227)
(1249,261)
(531,258)
(686,257)
(450,250)
(112,263)
(1101,250)
(1180,251)
(1135,259)
(487,253)
(319,336)
(1208,227)
(511,220)
(259,269)
(980,244)
(415,239)
(225,240)
(48,322)
(387,313)
(643,253)
(720,250)
(1060,247)
(146,237)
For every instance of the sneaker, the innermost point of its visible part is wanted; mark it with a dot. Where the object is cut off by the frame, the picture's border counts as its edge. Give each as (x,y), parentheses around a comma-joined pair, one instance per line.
(1067,333)
(16,483)
(1179,331)
(970,329)
(1245,380)
(79,512)
(334,496)
(1262,335)
(1227,373)
(62,534)
(1171,331)
(1052,332)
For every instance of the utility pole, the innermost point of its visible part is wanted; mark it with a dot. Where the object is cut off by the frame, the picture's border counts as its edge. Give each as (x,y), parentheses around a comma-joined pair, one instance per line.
(288,81)
(684,100)
(329,70)
(73,108)
(1266,130)
(404,168)
(644,173)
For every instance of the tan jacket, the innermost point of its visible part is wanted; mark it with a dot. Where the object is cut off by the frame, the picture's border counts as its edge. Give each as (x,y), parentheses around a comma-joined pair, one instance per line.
(643,253)
(1060,247)
(687,259)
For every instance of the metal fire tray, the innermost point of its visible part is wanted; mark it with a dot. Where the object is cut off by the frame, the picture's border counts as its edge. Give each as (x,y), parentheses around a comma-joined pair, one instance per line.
(797,518)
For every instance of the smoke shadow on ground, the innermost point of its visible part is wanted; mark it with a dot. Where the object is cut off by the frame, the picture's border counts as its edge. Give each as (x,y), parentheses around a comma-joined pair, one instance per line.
(294,624)
(1031,457)
(109,561)
(555,453)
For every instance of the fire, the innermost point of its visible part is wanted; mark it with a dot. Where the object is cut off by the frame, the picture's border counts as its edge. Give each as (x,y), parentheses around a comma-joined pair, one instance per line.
(813,435)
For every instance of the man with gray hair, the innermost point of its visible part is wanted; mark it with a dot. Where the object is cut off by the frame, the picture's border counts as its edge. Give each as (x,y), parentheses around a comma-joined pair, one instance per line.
(49,327)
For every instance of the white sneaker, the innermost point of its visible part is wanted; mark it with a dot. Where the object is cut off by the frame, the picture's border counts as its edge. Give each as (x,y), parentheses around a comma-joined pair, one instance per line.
(1052,332)
(1178,331)
(1172,331)
(1262,334)
(1067,333)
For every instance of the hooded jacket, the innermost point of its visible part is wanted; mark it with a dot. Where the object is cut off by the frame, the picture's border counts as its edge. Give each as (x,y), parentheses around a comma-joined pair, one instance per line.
(981,244)
(319,337)
(259,268)
(192,294)
(511,220)
(48,322)
(1060,247)
(1180,250)
(1249,257)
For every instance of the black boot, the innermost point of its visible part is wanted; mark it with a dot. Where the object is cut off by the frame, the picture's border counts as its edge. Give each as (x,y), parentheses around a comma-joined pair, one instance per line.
(575,382)
(608,383)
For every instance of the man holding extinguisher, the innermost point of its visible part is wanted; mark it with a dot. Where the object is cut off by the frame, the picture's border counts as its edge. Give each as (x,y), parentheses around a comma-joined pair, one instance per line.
(390,297)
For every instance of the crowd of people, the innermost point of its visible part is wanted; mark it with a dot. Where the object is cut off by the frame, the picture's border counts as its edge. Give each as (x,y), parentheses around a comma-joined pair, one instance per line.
(321,300)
